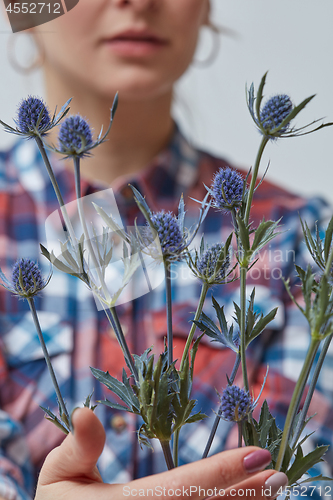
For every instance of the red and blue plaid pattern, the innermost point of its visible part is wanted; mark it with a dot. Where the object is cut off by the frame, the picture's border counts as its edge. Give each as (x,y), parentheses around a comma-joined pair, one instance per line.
(79,336)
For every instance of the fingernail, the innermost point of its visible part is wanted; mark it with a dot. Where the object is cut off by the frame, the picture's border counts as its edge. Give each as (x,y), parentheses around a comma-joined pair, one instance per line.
(275,484)
(257,460)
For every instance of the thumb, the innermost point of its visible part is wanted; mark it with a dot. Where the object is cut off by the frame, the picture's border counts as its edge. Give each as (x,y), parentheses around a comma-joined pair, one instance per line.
(76,457)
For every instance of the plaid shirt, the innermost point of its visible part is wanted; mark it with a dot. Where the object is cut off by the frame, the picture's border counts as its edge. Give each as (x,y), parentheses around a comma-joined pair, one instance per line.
(79,336)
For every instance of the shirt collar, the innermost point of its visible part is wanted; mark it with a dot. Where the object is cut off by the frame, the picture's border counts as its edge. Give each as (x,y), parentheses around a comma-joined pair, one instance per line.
(172,172)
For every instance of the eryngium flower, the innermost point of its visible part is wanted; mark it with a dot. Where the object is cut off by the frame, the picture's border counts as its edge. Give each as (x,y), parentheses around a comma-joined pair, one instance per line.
(26,281)
(33,116)
(227,189)
(174,237)
(210,267)
(74,136)
(169,233)
(236,404)
(275,110)
(274,118)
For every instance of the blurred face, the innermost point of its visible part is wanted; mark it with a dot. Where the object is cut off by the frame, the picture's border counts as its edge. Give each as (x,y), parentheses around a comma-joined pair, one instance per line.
(139,47)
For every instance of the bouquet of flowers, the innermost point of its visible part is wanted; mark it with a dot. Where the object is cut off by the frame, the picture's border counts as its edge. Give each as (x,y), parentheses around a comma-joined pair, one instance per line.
(158,388)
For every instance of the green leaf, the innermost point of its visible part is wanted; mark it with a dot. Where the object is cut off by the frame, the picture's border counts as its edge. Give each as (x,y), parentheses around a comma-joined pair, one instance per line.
(121,389)
(45,252)
(207,326)
(264,424)
(322,297)
(142,361)
(141,202)
(250,100)
(87,403)
(264,233)
(55,420)
(316,478)
(193,354)
(143,437)
(259,95)
(250,433)
(111,223)
(196,418)
(116,406)
(261,325)
(303,463)
(181,214)
(295,111)
(328,239)
(243,234)
(287,287)
(314,246)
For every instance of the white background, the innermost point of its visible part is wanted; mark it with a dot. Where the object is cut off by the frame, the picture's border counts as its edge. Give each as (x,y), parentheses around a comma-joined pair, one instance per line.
(293,39)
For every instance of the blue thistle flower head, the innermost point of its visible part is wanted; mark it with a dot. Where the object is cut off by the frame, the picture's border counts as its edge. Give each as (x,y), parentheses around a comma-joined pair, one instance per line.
(174,237)
(26,280)
(210,266)
(75,137)
(33,120)
(276,109)
(227,189)
(236,404)
(169,233)
(33,117)
(269,118)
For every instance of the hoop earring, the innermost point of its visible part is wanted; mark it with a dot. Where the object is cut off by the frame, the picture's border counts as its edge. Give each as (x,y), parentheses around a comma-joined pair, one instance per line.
(216,43)
(35,63)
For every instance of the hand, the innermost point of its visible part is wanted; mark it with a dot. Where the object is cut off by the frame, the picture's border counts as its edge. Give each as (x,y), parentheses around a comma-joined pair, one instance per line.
(70,471)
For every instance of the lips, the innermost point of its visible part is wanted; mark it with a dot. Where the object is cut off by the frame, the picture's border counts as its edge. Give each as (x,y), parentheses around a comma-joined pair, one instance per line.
(133,35)
(135,43)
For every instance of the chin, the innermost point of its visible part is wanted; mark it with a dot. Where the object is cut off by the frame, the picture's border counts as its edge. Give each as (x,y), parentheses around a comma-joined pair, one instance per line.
(139,81)
(139,90)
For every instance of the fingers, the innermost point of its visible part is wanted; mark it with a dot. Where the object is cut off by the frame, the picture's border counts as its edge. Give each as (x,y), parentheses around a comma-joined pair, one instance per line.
(263,486)
(221,471)
(79,452)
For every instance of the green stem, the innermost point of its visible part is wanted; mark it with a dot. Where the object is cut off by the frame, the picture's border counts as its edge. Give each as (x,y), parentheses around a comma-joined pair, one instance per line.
(296,398)
(240,433)
(329,262)
(212,433)
(176,446)
(254,178)
(203,293)
(244,265)
(219,413)
(115,320)
(86,232)
(311,390)
(167,273)
(65,414)
(235,224)
(167,454)
(50,171)
(121,338)
(235,369)
(243,273)
(54,183)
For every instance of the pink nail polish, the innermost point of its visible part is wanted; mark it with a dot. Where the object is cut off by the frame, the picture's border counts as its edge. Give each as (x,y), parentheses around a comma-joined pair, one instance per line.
(257,460)
(275,484)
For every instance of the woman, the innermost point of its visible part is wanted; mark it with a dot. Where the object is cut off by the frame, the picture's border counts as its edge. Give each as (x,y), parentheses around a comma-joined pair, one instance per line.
(139,48)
